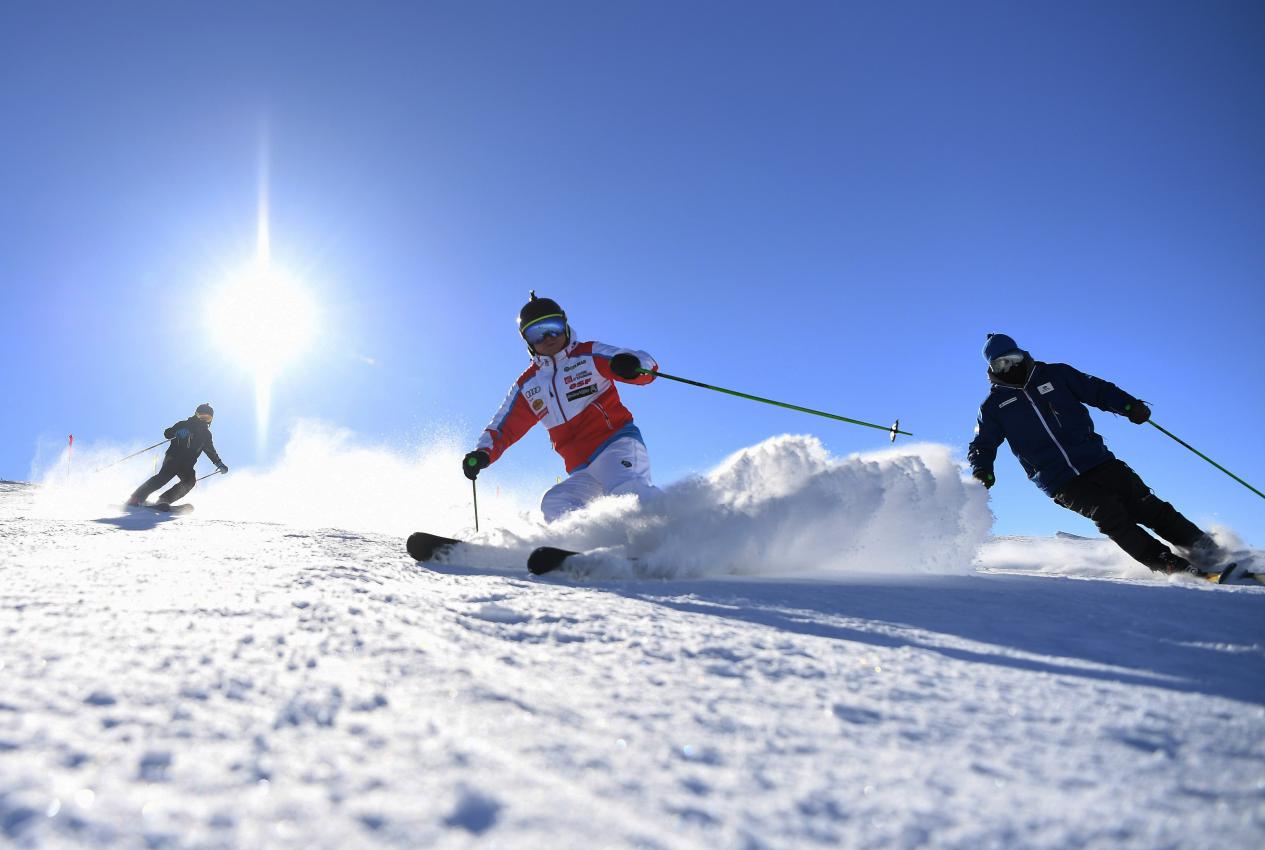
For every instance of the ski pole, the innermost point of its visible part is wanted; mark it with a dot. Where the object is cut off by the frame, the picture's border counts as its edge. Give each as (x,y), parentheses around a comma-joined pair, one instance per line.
(892,430)
(1205,457)
(132,455)
(474,489)
(208,475)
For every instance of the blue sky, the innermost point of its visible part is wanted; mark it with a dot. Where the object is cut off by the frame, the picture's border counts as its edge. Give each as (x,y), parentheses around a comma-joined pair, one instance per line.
(826,203)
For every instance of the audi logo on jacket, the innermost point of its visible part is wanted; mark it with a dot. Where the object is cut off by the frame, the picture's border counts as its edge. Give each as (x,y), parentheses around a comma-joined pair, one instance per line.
(573,394)
(1046,424)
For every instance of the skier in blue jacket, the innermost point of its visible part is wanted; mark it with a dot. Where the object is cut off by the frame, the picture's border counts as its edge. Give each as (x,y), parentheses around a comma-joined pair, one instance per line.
(1039,408)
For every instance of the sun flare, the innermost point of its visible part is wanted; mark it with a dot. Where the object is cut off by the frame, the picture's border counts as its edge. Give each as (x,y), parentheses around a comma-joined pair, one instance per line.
(263,319)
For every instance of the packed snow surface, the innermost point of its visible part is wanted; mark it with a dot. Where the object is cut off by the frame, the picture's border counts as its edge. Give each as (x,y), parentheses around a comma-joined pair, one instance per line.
(807,651)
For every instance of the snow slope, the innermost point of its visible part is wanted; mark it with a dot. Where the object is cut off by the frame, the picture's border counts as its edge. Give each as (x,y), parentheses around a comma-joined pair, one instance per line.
(212,681)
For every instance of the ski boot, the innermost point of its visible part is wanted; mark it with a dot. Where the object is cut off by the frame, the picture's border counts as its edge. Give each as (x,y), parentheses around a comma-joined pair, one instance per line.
(1171,564)
(1205,553)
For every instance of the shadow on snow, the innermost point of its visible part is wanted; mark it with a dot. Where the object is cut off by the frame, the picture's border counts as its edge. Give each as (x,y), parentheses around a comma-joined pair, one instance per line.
(1181,639)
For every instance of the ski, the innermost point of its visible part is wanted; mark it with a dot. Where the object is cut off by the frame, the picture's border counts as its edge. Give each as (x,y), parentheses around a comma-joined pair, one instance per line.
(1232,573)
(428,547)
(159,507)
(546,559)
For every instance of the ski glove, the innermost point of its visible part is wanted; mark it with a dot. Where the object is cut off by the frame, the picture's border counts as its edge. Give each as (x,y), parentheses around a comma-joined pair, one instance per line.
(475,462)
(985,477)
(182,434)
(626,365)
(1137,412)
(223,469)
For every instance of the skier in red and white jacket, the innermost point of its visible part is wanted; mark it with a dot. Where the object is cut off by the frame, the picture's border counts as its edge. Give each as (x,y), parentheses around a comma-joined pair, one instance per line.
(570,387)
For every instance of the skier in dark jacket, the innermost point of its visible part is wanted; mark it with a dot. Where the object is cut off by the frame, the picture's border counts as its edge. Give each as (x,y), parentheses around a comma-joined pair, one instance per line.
(189,439)
(1039,408)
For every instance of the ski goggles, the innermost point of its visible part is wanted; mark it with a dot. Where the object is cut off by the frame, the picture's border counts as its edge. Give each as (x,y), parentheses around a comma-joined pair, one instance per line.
(205,417)
(1005,362)
(546,327)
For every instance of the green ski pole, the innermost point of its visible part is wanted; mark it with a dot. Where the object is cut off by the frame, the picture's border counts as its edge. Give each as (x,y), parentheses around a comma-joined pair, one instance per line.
(892,430)
(474,491)
(1205,457)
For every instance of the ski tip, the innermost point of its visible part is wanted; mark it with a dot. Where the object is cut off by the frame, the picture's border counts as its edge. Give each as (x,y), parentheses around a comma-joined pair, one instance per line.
(1229,574)
(426,547)
(546,559)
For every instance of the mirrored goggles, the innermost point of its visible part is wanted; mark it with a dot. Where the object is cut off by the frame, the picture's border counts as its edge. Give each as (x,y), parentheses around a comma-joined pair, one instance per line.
(1005,362)
(205,417)
(545,328)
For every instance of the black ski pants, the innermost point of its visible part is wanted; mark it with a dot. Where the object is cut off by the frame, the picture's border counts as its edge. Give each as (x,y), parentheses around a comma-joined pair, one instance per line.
(1118,501)
(170,469)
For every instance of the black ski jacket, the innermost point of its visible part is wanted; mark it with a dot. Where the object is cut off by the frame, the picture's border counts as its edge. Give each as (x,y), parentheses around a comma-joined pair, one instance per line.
(186,450)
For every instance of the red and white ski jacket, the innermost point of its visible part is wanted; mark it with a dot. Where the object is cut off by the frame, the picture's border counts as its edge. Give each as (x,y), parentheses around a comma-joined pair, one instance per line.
(573,393)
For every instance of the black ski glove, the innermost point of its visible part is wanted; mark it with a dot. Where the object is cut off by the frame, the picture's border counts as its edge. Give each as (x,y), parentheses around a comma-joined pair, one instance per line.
(1137,412)
(985,477)
(223,469)
(475,462)
(626,365)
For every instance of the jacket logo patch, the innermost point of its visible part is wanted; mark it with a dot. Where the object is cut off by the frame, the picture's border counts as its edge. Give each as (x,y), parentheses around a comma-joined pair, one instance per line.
(1011,400)
(1045,388)
(531,391)
(538,405)
(581,393)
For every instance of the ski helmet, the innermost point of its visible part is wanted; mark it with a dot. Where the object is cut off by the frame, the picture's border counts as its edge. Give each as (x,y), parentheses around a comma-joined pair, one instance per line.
(548,318)
(205,408)
(536,309)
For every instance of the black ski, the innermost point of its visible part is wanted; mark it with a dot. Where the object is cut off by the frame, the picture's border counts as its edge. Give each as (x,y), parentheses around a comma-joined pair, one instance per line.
(162,508)
(546,559)
(427,547)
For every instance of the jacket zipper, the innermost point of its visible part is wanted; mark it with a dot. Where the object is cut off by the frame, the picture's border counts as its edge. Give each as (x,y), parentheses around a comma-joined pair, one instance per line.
(1055,413)
(1046,425)
(554,380)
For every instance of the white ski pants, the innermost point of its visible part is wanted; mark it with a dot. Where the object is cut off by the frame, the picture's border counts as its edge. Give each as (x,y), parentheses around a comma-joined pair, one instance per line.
(622,467)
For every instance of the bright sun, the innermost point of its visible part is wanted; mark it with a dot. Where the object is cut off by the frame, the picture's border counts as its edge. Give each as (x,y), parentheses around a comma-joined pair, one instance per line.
(263,319)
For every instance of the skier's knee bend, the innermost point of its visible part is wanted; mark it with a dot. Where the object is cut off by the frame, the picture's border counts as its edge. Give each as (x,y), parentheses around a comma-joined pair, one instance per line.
(1151,507)
(557,503)
(650,497)
(1110,517)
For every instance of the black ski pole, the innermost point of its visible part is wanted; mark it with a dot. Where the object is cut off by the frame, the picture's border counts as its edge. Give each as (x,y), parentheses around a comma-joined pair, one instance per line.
(474,488)
(1205,457)
(132,455)
(209,474)
(892,430)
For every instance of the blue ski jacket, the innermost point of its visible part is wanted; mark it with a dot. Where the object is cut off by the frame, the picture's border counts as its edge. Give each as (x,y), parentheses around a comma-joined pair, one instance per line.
(1047,425)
